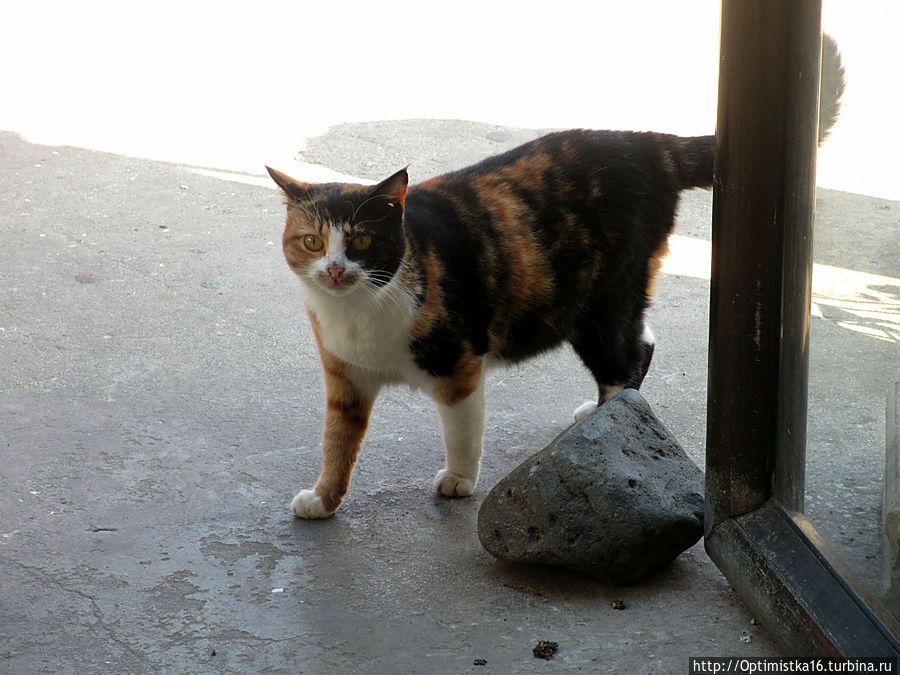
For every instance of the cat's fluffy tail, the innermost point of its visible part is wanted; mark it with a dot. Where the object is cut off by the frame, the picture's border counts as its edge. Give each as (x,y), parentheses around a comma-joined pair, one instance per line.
(831,88)
(693,157)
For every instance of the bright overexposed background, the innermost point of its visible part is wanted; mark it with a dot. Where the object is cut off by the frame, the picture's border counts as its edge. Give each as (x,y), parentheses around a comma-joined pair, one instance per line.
(228,85)
(234,85)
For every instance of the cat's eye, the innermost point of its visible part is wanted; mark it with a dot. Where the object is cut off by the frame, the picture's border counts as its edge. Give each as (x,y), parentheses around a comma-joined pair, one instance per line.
(312,242)
(361,241)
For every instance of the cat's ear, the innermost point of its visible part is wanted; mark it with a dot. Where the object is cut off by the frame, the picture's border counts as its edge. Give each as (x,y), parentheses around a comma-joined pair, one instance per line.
(292,189)
(393,188)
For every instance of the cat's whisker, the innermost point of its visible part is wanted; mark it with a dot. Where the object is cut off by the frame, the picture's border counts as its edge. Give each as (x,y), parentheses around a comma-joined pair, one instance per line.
(315,205)
(299,205)
(392,296)
(366,222)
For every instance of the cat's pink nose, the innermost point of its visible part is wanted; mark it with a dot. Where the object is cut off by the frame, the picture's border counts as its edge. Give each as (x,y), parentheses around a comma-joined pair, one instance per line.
(336,272)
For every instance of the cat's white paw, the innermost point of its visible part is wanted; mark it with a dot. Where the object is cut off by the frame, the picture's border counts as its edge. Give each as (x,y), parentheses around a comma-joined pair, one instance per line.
(307,504)
(584,410)
(450,484)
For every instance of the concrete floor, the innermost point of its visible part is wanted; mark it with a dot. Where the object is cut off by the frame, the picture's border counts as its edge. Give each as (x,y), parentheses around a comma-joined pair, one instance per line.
(161,403)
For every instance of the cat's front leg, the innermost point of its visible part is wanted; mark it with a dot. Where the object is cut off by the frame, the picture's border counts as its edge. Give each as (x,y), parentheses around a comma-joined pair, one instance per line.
(349,398)
(461,408)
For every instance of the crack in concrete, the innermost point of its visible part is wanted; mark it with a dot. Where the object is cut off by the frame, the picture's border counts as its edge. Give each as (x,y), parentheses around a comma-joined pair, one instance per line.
(47,579)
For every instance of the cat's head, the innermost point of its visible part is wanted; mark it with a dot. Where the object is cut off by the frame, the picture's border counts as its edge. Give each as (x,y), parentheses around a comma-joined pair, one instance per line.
(340,237)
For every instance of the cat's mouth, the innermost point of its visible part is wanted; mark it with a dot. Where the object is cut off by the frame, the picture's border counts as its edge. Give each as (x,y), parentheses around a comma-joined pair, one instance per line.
(338,285)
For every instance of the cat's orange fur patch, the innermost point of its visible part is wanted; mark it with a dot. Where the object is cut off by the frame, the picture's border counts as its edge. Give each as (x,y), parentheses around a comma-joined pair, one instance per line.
(527,173)
(297,226)
(432,307)
(654,266)
(464,380)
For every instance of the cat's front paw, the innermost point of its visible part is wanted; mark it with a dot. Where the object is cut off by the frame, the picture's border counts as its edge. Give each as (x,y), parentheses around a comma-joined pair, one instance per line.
(307,504)
(584,410)
(450,484)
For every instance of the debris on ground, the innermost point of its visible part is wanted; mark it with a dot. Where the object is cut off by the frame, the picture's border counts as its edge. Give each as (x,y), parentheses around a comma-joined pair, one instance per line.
(545,649)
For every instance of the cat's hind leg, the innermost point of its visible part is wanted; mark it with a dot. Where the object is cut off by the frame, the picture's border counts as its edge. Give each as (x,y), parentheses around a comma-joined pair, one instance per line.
(606,392)
(461,408)
(618,363)
(644,355)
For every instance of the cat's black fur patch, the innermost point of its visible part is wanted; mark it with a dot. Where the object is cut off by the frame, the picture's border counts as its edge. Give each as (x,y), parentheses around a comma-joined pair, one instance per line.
(596,206)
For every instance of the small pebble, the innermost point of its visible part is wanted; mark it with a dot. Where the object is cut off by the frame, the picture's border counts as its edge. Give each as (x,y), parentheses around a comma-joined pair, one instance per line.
(617,604)
(545,649)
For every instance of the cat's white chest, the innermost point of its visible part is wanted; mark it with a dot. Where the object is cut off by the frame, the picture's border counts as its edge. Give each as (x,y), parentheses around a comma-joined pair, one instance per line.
(368,334)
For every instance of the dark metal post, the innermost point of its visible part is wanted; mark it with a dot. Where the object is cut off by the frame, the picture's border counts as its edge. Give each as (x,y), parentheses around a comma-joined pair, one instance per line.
(761,242)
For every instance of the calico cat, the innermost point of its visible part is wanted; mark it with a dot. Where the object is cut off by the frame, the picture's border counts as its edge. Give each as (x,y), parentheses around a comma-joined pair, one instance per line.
(560,239)
(557,240)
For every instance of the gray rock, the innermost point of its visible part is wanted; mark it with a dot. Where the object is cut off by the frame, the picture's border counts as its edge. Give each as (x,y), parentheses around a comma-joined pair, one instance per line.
(614,496)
